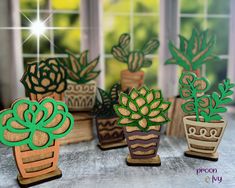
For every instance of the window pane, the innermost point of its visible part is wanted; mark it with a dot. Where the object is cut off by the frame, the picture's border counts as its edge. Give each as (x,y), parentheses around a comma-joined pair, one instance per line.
(65,4)
(151,74)
(146,6)
(115,6)
(218,6)
(144,31)
(66,20)
(216,72)
(113,27)
(195,6)
(215,25)
(32,4)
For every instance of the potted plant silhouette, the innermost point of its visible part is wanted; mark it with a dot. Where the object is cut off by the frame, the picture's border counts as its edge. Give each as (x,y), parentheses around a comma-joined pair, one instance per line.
(141,114)
(110,135)
(31,128)
(45,79)
(135,60)
(81,90)
(204,126)
(191,55)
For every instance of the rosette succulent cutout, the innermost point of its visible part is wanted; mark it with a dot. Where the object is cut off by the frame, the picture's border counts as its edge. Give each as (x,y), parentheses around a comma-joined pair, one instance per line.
(80,70)
(199,104)
(36,124)
(134,59)
(45,77)
(193,52)
(142,108)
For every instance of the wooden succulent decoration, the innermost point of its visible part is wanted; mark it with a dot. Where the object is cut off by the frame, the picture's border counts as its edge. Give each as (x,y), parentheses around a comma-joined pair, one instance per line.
(80,70)
(193,52)
(45,79)
(204,126)
(32,129)
(136,59)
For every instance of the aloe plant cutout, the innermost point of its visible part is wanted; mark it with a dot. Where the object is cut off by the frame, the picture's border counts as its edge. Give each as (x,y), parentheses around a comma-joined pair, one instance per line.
(193,52)
(36,124)
(105,101)
(207,106)
(134,59)
(45,77)
(142,108)
(80,70)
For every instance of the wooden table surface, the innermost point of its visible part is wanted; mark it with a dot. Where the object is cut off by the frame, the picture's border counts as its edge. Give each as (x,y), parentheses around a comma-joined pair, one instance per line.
(84,166)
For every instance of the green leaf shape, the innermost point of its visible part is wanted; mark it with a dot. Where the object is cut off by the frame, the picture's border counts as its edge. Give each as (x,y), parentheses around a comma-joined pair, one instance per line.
(80,70)
(193,52)
(26,118)
(142,108)
(207,106)
(45,77)
(135,59)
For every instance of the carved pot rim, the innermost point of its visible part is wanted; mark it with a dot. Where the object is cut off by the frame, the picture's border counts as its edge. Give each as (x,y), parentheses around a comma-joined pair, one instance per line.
(191,120)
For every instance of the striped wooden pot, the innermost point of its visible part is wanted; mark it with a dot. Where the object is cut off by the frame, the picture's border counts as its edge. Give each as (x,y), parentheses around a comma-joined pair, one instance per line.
(108,131)
(131,79)
(80,97)
(33,163)
(142,145)
(203,137)
(54,95)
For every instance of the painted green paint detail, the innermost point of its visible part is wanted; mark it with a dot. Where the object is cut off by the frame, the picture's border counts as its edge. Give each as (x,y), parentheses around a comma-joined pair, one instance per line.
(193,52)
(199,104)
(45,77)
(105,101)
(142,108)
(80,70)
(136,59)
(32,116)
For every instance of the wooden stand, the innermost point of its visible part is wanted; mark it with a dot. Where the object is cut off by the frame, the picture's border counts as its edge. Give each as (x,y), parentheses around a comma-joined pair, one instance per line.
(155,161)
(206,156)
(27,182)
(82,129)
(176,126)
(115,145)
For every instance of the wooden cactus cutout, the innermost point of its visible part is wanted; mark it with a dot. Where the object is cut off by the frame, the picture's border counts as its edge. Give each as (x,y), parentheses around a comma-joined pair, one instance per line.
(36,124)
(80,70)
(134,59)
(45,77)
(142,108)
(193,52)
(207,106)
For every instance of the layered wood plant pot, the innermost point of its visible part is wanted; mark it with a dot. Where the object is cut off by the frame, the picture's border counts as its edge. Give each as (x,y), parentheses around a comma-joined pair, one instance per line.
(81,90)
(204,126)
(32,128)
(135,60)
(110,135)
(142,113)
(191,55)
(45,79)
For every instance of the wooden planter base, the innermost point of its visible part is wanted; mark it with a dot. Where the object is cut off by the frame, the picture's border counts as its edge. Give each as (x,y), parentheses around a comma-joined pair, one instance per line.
(206,156)
(155,161)
(27,182)
(109,146)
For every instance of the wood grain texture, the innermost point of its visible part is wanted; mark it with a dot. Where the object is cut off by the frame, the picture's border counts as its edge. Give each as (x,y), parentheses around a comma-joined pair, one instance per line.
(85,165)
(131,79)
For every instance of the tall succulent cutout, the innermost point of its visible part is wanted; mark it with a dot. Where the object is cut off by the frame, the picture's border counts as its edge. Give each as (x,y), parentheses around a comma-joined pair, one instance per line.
(134,59)
(29,122)
(80,70)
(142,108)
(209,107)
(193,52)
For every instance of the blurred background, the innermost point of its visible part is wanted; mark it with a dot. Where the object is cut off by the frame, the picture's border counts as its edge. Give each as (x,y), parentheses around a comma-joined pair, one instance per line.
(97,25)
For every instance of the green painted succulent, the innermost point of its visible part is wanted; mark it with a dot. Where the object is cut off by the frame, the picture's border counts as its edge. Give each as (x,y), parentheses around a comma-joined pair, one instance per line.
(35,124)
(80,70)
(193,52)
(199,104)
(142,108)
(134,59)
